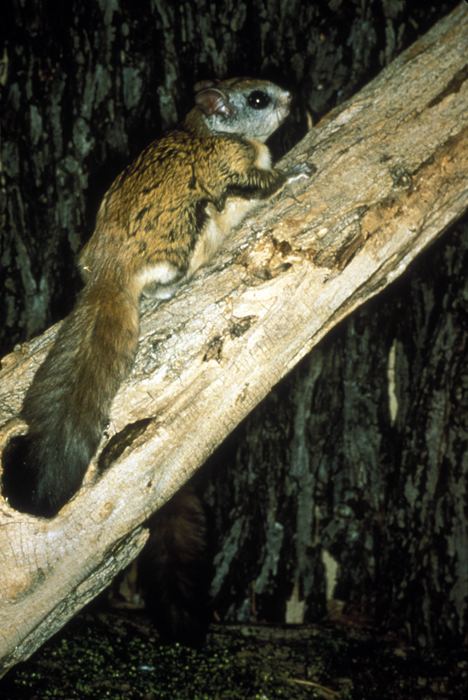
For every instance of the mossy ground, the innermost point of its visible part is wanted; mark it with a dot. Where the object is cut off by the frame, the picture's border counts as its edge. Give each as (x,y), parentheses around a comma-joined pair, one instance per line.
(116,655)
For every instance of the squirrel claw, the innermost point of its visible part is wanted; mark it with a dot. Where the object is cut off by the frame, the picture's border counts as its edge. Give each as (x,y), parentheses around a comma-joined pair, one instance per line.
(300,170)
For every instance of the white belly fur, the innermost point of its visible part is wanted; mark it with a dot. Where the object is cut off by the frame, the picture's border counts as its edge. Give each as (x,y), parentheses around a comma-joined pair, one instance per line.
(218,227)
(158,280)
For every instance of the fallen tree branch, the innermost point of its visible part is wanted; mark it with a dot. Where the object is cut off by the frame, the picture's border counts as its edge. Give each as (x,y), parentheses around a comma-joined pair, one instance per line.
(391,177)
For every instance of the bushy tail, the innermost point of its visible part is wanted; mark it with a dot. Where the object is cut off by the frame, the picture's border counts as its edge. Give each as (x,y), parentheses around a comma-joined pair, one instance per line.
(67,405)
(175,570)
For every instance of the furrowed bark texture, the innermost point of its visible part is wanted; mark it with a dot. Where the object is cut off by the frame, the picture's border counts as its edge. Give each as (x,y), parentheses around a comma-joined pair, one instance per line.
(84,88)
(391,176)
(343,493)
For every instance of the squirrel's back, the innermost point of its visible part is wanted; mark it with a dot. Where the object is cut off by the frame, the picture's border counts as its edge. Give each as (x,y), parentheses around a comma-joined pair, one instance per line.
(159,221)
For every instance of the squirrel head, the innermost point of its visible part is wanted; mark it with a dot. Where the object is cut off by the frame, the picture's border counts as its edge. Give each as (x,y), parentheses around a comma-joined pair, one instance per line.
(241,106)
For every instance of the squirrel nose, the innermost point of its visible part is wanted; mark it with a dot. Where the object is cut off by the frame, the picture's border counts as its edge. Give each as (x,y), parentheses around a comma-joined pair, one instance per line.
(286,98)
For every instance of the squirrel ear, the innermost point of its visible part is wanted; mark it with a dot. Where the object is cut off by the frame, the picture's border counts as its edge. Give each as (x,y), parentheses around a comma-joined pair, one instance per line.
(204,84)
(212,101)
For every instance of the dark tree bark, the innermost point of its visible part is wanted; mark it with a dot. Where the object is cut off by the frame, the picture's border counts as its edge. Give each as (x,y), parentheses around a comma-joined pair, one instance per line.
(359,457)
(83,86)
(324,485)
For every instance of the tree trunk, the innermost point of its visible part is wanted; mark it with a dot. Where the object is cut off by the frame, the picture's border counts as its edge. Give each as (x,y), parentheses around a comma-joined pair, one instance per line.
(85,87)
(344,491)
(310,257)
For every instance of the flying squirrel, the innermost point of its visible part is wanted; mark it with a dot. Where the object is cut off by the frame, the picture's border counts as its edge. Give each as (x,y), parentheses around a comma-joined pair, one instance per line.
(162,218)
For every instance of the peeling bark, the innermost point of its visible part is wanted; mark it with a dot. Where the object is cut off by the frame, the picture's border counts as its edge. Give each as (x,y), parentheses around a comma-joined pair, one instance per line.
(358,459)
(85,87)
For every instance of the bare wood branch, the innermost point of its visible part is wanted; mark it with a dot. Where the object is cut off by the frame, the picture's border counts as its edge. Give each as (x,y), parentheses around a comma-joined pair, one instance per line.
(391,177)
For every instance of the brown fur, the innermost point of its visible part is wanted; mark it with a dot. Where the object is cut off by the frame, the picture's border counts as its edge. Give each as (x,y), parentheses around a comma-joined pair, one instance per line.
(160,220)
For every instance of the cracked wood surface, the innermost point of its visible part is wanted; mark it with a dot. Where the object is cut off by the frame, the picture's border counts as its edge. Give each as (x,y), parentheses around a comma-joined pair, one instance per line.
(391,177)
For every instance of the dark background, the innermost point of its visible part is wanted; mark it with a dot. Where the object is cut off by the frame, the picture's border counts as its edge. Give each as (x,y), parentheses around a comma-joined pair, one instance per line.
(323,470)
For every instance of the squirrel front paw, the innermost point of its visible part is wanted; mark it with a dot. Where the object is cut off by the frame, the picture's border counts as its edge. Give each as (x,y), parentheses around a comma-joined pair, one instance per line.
(300,170)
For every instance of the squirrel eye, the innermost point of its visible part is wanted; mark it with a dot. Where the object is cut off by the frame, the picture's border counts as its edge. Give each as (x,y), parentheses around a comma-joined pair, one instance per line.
(258,99)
